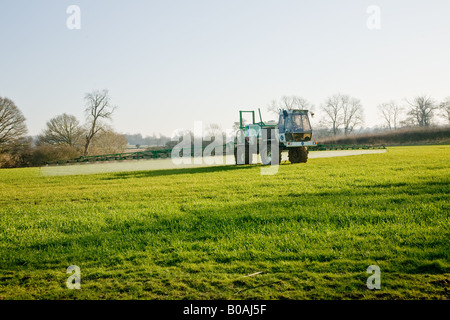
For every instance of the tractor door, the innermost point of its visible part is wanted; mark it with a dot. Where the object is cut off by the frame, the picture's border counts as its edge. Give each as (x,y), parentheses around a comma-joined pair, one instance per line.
(282,121)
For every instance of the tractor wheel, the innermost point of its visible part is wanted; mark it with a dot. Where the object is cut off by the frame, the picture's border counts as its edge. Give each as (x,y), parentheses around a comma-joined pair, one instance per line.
(304,154)
(267,156)
(298,155)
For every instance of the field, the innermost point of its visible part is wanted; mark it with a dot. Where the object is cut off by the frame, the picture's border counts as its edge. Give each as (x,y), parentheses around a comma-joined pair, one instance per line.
(310,231)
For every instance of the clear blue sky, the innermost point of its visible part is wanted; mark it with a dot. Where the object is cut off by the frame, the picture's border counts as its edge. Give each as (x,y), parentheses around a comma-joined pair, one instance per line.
(169,63)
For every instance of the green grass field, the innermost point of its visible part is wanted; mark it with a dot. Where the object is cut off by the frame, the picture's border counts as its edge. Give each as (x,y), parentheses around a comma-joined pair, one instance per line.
(312,230)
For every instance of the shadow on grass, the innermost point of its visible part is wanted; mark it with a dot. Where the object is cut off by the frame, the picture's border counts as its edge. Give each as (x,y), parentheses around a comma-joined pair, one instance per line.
(203,229)
(169,172)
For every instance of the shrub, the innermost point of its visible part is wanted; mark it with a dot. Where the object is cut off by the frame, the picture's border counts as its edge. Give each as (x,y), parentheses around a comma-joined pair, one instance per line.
(45,154)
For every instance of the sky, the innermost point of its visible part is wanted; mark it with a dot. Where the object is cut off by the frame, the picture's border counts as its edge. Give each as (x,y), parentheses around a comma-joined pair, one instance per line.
(170,63)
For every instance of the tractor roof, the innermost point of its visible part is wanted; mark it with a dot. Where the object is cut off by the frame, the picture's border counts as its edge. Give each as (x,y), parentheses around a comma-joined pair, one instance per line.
(295,111)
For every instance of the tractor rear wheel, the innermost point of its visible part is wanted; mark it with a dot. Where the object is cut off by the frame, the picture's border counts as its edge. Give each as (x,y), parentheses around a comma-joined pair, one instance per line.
(298,155)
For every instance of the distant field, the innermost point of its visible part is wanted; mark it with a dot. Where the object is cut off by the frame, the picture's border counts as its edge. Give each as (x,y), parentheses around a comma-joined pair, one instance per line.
(159,164)
(311,230)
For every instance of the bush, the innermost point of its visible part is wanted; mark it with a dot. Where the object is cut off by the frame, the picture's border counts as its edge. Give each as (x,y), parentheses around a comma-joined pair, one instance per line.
(108,142)
(7,160)
(17,155)
(46,154)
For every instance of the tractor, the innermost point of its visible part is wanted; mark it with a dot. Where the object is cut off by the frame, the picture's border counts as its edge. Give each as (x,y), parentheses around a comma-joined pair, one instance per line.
(269,139)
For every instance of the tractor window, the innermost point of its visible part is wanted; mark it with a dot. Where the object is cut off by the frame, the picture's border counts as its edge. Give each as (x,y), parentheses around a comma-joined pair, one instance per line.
(290,124)
(297,122)
(306,124)
(300,123)
(281,124)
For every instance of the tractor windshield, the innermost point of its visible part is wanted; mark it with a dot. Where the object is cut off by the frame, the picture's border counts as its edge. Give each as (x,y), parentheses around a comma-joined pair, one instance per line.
(298,122)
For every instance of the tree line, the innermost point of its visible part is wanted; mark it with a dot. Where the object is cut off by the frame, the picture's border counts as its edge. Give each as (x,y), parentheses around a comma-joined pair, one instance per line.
(342,114)
(64,137)
(157,140)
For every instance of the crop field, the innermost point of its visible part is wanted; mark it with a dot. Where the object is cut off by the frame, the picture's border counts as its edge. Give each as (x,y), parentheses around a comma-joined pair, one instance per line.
(308,232)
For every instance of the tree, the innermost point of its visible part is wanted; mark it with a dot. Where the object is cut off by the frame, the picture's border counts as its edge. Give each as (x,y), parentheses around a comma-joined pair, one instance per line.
(12,125)
(237,125)
(352,114)
(98,108)
(62,130)
(390,112)
(333,113)
(214,130)
(290,102)
(421,110)
(445,109)
(342,111)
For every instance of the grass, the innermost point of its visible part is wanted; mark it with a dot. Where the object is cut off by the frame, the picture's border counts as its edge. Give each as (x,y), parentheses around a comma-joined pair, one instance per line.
(312,230)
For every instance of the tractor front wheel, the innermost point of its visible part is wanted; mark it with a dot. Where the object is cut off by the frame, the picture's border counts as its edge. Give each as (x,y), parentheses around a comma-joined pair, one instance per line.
(298,155)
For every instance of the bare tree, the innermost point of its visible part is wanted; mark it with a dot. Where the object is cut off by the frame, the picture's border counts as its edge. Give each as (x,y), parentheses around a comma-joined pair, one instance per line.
(236,126)
(352,113)
(445,109)
(214,130)
(421,110)
(12,125)
(390,111)
(62,130)
(333,113)
(290,102)
(342,111)
(98,108)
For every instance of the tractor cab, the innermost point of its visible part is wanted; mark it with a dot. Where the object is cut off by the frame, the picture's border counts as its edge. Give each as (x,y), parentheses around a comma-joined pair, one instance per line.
(294,126)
